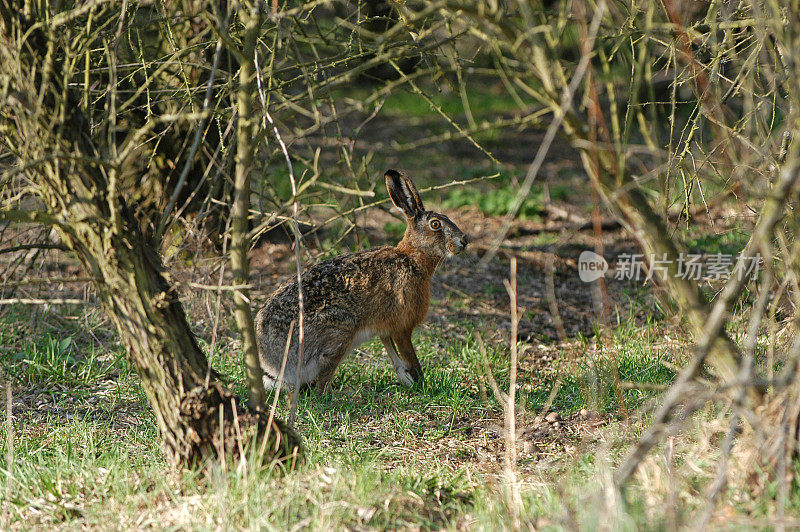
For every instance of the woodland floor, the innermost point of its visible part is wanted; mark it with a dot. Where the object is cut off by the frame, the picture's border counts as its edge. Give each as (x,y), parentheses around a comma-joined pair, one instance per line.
(76,400)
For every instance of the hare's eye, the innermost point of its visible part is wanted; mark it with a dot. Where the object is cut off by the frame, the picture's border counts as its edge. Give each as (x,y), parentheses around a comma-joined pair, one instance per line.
(436,224)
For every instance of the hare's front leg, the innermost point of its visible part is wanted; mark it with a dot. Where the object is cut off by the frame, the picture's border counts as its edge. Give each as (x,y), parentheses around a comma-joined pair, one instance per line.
(404,357)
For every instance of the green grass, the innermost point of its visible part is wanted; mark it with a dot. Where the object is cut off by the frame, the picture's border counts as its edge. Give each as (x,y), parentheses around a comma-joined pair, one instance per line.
(728,243)
(485,101)
(55,360)
(378,455)
(498,201)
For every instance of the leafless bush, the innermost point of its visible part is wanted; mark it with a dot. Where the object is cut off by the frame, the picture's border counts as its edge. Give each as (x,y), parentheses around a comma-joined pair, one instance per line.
(678,109)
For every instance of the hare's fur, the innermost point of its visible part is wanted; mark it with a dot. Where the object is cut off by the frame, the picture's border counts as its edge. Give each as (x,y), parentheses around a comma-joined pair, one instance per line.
(351,298)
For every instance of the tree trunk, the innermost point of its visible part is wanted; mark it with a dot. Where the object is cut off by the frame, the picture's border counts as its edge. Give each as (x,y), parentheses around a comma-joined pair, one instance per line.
(194,412)
(240,242)
(43,127)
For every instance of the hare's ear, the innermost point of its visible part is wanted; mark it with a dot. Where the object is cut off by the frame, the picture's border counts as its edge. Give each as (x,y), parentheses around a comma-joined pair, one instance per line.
(404,194)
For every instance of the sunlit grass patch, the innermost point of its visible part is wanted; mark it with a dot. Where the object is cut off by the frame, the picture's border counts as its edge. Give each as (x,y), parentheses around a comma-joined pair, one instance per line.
(53,360)
(378,454)
(498,201)
(66,471)
(69,355)
(483,101)
(728,243)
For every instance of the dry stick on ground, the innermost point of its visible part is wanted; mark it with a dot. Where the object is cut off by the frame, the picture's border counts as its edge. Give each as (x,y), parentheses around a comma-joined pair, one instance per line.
(510,410)
(279,383)
(9,448)
(550,292)
(27,247)
(40,301)
(48,280)
(297,244)
(240,243)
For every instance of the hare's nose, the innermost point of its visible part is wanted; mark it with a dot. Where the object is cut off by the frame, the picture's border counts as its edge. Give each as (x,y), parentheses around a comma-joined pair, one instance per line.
(464,241)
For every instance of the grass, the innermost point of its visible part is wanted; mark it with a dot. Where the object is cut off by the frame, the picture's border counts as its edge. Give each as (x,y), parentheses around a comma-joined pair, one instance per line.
(727,243)
(378,455)
(485,101)
(498,201)
(54,360)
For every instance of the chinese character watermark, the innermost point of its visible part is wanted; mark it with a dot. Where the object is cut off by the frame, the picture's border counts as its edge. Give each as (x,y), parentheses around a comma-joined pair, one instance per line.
(689,266)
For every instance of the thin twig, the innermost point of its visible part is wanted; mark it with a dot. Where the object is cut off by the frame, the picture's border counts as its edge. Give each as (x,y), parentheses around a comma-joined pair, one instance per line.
(500,395)
(48,280)
(239,443)
(297,244)
(278,385)
(25,247)
(549,136)
(9,449)
(510,405)
(198,136)
(221,443)
(39,301)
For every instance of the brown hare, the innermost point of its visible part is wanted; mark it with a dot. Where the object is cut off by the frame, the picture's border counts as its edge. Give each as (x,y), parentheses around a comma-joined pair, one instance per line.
(351,298)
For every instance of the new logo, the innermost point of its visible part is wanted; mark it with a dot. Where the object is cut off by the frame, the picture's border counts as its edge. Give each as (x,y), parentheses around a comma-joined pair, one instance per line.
(591,266)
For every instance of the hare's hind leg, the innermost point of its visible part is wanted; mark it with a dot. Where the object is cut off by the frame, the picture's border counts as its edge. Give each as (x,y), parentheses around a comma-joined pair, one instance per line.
(405,361)
(330,361)
(328,369)
(269,382)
